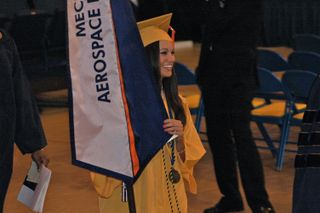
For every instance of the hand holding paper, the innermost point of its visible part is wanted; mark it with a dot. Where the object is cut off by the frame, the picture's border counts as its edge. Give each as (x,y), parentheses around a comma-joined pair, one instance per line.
(39,157)
(34,188)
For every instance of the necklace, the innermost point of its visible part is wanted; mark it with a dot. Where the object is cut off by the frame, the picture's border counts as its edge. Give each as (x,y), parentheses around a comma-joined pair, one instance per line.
(174,175)
(170,197)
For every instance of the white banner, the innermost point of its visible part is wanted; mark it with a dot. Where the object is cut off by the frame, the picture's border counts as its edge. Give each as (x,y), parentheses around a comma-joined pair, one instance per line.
(99,117)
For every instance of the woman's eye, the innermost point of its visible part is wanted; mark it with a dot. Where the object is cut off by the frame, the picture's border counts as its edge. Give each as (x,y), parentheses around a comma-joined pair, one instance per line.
(163,52)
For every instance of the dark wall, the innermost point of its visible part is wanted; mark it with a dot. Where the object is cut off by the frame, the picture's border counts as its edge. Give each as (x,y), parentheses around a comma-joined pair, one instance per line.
(10,7)
(285,18)
(184,19)
(282,18)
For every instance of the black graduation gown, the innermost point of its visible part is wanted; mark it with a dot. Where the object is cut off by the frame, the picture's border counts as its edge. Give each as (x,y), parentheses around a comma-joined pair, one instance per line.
(19,118)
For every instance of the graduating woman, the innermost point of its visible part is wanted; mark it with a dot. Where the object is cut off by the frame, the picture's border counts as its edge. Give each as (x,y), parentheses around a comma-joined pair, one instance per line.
(161,186)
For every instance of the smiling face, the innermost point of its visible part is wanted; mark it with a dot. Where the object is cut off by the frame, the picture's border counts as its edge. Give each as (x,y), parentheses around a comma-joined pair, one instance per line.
(166,58)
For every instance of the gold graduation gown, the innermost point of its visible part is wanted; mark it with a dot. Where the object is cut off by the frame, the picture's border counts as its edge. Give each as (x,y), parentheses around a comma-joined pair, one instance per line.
(153,192)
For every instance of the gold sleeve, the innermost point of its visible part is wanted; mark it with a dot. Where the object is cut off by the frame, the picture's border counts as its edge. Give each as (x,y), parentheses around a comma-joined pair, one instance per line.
(194,150)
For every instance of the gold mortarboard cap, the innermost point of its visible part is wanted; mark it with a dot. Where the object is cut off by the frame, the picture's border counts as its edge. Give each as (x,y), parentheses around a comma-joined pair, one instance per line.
(155,29)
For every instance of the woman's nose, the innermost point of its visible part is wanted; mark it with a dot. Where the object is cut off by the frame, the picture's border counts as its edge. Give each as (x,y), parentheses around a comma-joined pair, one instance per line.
(172,57)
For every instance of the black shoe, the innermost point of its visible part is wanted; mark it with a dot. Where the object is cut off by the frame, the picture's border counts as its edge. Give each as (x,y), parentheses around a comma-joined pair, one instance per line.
(264,209)
(224,206)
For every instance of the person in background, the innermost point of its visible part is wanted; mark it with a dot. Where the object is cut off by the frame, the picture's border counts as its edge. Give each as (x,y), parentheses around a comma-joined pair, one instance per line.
(227,76)
(161,187)
(19,119)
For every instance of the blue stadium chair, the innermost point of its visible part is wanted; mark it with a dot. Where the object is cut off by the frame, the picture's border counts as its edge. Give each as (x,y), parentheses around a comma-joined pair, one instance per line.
(304,60)
(277,112)
(307,42)
(299,83)
(272,61)
(189,89)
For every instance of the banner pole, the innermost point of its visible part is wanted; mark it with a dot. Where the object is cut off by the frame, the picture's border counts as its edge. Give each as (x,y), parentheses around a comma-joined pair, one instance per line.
(131,200)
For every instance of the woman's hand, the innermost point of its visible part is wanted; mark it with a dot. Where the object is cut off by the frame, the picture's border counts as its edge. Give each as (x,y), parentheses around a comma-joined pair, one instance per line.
(40,158)
(173,127)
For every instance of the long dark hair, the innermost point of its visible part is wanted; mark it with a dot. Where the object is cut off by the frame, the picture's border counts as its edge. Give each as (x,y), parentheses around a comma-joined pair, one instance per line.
(169,85)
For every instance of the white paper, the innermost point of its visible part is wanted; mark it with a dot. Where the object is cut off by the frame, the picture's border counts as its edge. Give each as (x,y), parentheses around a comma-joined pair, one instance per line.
(34,198)
(33,173)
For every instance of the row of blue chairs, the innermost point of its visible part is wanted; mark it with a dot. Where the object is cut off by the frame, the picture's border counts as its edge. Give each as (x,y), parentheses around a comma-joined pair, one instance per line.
(307,42)
(301,60)
(304,59)
(284,103)
(287,98)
